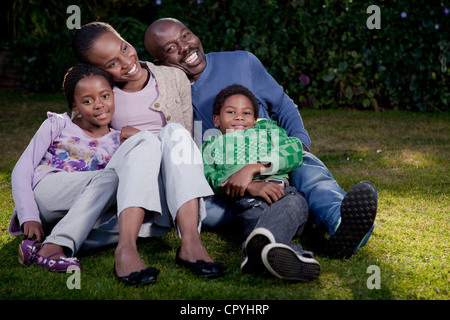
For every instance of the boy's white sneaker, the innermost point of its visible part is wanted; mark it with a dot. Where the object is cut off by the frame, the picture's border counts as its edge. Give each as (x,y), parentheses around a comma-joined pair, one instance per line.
(283,262)
(254,245)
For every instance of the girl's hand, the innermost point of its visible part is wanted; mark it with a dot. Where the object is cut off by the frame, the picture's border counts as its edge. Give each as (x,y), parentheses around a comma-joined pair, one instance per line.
(127,132)
(269,191)
(33,229)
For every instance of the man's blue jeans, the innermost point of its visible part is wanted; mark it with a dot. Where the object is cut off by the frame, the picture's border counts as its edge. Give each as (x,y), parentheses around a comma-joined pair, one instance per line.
(313,180)
(321,191)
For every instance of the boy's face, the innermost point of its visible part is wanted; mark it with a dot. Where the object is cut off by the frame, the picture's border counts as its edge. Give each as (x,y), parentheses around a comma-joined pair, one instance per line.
(237,113)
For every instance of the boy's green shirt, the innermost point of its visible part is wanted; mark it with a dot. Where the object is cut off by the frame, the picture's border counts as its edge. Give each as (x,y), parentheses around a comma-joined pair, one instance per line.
(265,142)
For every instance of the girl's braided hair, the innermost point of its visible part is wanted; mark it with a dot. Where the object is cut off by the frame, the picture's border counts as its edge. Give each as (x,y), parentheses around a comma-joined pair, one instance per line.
(78,72)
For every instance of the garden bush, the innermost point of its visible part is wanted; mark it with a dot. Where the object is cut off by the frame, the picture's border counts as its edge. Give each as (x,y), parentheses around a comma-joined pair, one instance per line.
(321,52)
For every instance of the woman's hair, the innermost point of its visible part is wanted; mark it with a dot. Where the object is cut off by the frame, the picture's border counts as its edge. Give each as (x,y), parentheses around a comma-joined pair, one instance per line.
(78,72)
(85,37)
(232,90)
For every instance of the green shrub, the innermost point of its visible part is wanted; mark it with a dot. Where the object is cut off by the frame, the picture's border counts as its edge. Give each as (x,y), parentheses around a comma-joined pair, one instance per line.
(321,52)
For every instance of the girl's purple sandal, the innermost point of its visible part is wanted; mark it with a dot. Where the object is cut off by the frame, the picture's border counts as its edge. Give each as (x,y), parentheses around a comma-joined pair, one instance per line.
(28,255)
(59,265)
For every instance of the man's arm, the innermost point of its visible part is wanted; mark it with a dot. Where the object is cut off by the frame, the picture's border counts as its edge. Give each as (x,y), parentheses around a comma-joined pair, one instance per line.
(281,107)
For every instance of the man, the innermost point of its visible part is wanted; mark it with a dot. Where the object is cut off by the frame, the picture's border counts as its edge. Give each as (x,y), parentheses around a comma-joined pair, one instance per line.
(348,218)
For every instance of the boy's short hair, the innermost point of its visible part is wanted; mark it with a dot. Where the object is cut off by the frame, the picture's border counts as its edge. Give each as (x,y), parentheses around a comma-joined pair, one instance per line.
(232,90)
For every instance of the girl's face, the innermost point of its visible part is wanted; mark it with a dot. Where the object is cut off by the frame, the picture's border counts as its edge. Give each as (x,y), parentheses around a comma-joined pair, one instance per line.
(237,113)
(118,58)
(94,101)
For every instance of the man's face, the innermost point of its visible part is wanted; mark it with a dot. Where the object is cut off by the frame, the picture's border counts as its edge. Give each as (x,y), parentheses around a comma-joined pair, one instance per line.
(172,44)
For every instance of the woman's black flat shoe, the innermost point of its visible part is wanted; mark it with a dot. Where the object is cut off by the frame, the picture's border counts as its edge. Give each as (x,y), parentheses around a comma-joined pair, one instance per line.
(143,277)
(201,268)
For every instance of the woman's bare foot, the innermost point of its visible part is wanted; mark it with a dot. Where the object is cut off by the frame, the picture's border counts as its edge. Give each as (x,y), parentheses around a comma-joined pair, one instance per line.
(127,261)
(193,250)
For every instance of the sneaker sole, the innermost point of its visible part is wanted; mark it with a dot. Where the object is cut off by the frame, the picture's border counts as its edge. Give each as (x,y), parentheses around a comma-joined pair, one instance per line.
(358,212)
(21,257)
(285,263)
(256,241)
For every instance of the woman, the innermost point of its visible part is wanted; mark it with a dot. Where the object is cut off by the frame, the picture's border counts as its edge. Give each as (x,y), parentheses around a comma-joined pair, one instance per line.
(157,99)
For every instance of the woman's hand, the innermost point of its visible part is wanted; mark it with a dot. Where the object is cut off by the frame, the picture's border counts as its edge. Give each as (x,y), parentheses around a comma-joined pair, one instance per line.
(33,229)
(127,132)
(269,191)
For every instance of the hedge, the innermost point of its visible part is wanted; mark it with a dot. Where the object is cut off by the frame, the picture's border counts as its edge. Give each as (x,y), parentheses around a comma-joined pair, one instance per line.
(322,52)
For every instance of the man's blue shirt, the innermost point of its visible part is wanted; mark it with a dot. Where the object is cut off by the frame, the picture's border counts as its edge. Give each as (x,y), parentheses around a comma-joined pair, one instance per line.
(244,68)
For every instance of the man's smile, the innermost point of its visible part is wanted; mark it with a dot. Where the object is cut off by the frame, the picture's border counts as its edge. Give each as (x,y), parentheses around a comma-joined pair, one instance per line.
(192,57)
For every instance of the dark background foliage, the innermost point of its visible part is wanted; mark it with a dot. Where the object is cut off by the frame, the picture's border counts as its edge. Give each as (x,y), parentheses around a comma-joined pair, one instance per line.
(321,52)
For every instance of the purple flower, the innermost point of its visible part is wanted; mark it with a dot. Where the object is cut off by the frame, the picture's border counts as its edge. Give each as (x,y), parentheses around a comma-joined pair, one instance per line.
(79,165)
(93,144)
(446,10)
(403,15)
(304,79)
(199,1)
(75,139)
(436,26)
(158,2)
(57,162)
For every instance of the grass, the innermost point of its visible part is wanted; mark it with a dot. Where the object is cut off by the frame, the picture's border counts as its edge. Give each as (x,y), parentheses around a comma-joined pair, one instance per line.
(405,155)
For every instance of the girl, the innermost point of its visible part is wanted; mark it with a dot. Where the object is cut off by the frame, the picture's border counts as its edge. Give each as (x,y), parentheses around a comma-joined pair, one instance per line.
(69,175)
(157,99)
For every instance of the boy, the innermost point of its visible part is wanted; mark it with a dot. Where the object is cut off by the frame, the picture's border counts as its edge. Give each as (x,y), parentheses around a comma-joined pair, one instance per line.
(250,162)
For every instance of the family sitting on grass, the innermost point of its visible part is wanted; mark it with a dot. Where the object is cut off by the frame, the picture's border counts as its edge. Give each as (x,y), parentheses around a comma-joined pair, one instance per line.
(115,151)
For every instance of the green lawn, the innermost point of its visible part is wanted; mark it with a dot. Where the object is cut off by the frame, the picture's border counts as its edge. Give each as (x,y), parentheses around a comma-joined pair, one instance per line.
(405,155)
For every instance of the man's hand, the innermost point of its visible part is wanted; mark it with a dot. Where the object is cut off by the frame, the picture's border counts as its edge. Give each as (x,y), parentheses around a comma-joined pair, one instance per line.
(269,191)
(127,132)
(33,229)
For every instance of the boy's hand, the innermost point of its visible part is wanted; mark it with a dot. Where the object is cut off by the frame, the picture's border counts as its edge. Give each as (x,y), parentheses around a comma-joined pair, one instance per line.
(236,184)
(127,132)
(269,191)
(33,229)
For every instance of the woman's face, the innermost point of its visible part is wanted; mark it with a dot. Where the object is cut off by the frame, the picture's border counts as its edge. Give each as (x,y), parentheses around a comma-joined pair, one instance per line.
(117,57)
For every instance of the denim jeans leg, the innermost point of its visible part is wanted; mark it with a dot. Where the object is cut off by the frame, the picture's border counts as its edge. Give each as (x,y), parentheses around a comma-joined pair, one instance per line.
(323,194)
(285,218)
(218,213)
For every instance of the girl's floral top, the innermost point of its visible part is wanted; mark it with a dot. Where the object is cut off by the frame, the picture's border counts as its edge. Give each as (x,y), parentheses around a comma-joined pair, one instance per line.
(59,145)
